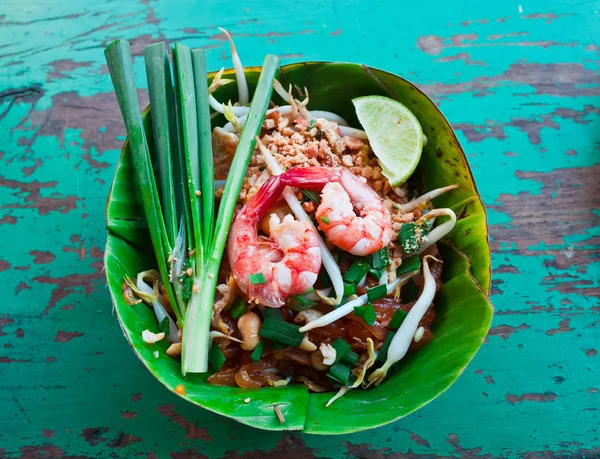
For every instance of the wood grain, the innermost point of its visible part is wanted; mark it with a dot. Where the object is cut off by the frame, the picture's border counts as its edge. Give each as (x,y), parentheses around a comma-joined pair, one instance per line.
(520,83)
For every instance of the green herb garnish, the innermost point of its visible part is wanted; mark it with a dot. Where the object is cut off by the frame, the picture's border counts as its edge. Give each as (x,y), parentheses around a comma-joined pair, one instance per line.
(408,265)
(381,259)
(367,312)
(349,289)
(411,236)
(383,351)
(341,348)
(163,326)
(239,308)
(299,303)
(258,352)
(312,196)
(397,319)
(216,357)
(281,332)
(351,359)
(257,278)
(376,293)
(340,374)
(356,272)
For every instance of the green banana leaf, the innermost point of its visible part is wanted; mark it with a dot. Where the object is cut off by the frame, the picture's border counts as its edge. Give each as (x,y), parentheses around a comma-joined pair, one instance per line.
(463,309)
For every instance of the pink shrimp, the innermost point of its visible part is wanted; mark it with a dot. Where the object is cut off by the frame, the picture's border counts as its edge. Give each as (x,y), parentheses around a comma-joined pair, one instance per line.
(289,261)
(360,234)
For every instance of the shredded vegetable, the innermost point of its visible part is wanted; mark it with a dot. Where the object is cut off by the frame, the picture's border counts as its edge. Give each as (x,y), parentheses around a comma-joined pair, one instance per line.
(347,308)
(403,337)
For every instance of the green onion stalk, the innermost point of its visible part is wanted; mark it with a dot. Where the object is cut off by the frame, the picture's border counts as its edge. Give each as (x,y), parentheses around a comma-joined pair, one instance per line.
(198,314)
(118,58)
(181,210)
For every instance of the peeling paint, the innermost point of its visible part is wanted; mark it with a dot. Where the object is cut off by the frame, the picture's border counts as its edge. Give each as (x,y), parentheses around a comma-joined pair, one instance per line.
(545,397)
(521,90)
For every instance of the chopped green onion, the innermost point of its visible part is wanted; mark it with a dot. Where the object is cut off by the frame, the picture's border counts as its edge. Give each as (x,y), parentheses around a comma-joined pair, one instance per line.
(356,272)
(160,90)
(409,264)
(367,312)
(207,172)
(186,291)
(272,313)
(325,220)
(349,289)
(397,319)
(339,373)
(299,303)
(163,326)
(276,345)
(376,273)
(351,359)
(281,332)
(118,58)
(381,258)
(184,71)
(216,357)
(411,236)
(258,352)
(257,278)
(311,124)
(376,293)
(382,356)
(341,348)
(312,195)
(238,309)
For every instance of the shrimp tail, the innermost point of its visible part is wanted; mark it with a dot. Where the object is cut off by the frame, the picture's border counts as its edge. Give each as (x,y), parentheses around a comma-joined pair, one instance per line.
(310,177)
(264,200)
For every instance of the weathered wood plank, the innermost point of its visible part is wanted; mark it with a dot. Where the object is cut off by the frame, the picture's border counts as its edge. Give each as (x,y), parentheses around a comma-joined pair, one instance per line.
(521,88)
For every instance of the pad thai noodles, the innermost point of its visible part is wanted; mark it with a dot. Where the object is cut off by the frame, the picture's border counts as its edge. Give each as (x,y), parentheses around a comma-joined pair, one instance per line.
(329,272)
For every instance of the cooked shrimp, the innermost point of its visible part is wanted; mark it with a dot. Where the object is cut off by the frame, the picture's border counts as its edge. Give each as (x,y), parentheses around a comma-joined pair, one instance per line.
(289,261)
(351,213)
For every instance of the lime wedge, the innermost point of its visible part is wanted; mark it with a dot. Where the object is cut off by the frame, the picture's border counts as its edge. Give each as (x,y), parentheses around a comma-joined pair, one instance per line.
(394,133)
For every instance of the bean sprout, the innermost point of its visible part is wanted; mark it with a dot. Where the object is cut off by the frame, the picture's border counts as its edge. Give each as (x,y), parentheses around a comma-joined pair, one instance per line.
(152,294)
(412,205)
(349,306)
(404,336)
(440,231)
(240,76)
(230,116)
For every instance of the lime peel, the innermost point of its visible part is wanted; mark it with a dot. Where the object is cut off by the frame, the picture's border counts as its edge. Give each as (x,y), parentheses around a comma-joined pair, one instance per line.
(394,133)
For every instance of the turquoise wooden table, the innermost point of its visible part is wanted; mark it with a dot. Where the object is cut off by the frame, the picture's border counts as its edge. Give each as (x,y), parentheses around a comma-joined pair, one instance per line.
(520,84)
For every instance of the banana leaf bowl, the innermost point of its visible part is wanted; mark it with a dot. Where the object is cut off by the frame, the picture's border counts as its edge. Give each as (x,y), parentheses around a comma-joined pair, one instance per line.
(463,309)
